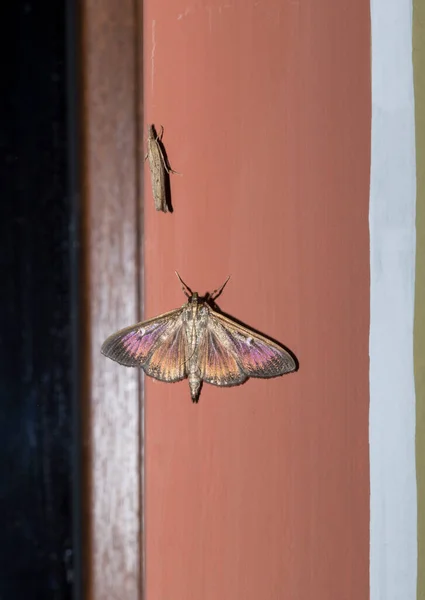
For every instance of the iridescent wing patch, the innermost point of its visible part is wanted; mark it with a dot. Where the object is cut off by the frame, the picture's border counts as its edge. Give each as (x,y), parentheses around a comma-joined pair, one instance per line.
(219,364)
(256,355)
(198,343)
(157,345)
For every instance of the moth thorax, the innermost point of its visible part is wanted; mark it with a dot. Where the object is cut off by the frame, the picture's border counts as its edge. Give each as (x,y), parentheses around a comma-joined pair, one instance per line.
(194,385)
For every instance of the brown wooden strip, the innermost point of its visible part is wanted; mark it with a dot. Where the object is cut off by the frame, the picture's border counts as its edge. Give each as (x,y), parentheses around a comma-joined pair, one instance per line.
(419,328)
(112,403)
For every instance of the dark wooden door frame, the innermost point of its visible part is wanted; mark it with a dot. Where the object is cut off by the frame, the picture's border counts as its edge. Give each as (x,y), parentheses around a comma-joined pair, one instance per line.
(113,415)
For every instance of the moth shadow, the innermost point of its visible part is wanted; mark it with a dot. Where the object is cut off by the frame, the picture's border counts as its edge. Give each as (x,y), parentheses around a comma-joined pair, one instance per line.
(215,307)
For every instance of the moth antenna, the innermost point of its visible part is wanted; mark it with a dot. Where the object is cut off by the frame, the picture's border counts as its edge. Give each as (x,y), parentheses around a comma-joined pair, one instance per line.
(185,287)
(216,293)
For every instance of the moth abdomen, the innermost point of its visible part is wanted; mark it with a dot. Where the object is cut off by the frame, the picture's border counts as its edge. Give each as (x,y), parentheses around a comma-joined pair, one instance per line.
(194,386)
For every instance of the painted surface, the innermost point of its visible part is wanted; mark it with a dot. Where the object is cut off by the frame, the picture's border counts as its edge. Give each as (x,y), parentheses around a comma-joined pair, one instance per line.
(262,491)
(419,330)
(393,545)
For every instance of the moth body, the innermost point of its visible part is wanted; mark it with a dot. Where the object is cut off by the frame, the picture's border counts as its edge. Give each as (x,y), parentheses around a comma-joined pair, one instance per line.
(195,315)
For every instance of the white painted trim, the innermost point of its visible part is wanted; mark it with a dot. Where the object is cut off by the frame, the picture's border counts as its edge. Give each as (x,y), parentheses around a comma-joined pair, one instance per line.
(393,505)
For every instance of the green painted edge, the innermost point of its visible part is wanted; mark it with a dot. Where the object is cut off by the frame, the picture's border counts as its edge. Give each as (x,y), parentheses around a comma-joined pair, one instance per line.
(419,322)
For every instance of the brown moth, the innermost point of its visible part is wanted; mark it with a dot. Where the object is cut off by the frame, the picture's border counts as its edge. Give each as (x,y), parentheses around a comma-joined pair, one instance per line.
(198,343)
(160,170)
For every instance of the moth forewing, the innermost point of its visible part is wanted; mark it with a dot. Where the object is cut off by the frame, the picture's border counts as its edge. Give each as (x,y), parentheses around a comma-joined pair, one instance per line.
(134,345)
(159,169)
(258,355)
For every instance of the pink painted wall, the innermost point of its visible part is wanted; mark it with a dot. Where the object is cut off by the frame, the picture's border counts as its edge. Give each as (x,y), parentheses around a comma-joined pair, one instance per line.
(261,491)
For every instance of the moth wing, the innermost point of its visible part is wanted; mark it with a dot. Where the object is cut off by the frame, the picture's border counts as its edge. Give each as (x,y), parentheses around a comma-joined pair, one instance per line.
(256,355)
(158,187)
(219,365)
(157,168)
(157,345)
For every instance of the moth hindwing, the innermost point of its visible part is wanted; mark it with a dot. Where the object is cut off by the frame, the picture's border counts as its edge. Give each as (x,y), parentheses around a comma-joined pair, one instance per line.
(160,170)
(198,343)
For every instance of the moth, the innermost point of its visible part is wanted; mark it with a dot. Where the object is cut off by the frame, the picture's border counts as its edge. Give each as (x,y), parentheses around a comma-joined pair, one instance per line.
(198,343)
(160,170)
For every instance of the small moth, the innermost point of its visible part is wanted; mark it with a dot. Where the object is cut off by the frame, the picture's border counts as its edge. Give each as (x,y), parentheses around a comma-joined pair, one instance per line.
(160,170)
(198,343)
